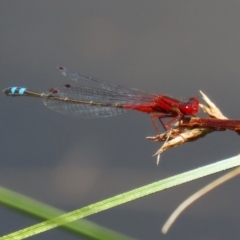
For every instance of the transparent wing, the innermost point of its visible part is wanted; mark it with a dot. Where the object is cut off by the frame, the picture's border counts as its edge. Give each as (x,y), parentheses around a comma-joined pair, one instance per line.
(94,102)
(83,80)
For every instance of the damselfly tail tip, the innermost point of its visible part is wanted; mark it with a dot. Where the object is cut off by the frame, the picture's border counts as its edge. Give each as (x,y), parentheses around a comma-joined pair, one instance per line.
(6,91)
(15,91)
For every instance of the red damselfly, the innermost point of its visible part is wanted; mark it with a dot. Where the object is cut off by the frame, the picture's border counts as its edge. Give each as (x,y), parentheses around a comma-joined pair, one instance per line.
(105,99)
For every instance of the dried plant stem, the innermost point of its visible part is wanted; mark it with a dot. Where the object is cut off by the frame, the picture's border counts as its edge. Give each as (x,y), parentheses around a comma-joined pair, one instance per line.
(192,128)
(196,196)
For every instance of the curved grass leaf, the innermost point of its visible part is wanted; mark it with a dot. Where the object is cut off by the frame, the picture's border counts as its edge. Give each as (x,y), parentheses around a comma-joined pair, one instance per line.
(125,197)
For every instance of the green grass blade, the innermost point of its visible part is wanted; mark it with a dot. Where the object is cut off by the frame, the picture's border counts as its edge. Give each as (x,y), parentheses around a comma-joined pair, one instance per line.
(42,211)
(126,197)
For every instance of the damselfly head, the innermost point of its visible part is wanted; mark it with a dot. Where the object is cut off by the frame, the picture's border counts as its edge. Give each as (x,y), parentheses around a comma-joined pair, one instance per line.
(194,102)
(191,107)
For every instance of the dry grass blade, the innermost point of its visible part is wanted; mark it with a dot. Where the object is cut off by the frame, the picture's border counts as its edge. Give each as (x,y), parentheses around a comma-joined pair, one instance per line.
(211,109)
(198,195)
(186,135)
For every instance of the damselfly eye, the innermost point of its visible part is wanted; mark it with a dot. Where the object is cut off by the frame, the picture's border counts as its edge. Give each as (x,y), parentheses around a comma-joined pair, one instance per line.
(195,105)
(191,107)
